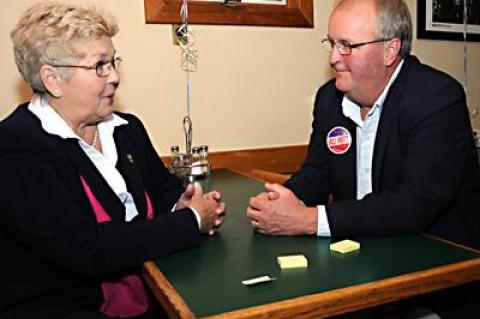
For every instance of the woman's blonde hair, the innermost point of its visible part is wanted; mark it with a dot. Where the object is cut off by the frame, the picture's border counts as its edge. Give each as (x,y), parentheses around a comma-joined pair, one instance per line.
(49,33)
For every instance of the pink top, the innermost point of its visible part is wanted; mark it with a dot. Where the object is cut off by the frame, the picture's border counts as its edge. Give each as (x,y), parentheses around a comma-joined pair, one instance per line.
(125,297)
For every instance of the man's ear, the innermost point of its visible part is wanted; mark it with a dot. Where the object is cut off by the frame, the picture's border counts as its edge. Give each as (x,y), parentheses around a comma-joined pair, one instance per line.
(51,80)
(392,51)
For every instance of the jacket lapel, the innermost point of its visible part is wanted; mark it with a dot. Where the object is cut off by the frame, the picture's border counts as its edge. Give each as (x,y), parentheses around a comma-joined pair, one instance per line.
(100,188)
(390,111)
(345,164)
(128,166)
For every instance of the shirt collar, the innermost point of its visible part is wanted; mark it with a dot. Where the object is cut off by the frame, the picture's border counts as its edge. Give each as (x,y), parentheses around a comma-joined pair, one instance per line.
(54,124)
(351,110)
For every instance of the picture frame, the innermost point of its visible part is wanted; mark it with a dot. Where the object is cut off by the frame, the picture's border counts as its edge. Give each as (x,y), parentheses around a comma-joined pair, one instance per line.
(443,20)
(280,13)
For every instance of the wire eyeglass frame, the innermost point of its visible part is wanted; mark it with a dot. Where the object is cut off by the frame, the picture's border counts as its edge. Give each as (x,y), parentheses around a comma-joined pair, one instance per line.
(345,48)
(102,68)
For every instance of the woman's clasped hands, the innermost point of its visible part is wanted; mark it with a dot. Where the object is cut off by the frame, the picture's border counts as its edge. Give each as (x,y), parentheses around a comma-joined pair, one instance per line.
(208,206)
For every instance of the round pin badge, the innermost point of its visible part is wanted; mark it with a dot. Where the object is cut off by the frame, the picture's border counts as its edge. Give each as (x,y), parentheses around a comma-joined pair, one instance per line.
(339,140)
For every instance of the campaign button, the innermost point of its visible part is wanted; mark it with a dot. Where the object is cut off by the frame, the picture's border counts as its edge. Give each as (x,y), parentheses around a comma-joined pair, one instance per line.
(339,140)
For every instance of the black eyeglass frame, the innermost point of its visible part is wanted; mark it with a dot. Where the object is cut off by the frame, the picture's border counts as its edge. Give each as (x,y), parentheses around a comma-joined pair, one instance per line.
(348,46)
(97,67)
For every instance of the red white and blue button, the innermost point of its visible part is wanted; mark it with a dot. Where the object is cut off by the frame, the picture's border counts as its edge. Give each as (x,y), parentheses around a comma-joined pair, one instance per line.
(339,140)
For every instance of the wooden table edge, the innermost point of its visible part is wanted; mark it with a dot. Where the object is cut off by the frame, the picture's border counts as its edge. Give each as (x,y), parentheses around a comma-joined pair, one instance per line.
(165,293)
(330,303)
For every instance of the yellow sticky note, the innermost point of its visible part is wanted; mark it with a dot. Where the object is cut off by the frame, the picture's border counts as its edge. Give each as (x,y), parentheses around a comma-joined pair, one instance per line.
(292,261)
(345,246)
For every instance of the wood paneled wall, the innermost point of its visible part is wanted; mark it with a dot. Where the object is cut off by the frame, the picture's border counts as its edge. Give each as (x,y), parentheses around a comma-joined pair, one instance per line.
(282,160)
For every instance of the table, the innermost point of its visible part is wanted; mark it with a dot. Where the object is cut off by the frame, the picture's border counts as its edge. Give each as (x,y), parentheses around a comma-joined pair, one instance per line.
(204,281)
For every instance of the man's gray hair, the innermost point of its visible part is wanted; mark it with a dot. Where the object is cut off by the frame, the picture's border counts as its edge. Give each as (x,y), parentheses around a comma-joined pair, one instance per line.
(394,21)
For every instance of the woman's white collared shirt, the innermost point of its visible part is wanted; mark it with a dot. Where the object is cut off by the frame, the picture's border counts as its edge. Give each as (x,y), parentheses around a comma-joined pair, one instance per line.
(104,161)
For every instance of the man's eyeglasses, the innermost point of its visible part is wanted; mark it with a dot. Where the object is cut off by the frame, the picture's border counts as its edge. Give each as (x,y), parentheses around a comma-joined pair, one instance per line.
(345,48)
(103,68)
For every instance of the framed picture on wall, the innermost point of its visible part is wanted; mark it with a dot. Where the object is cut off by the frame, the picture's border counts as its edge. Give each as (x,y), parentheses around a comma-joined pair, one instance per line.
(443,19)
(282,13)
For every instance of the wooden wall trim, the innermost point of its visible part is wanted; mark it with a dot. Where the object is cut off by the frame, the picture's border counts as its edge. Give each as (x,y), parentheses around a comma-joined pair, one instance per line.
(282,159)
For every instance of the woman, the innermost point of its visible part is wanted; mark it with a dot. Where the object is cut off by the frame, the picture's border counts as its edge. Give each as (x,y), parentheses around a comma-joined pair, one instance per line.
(85,197)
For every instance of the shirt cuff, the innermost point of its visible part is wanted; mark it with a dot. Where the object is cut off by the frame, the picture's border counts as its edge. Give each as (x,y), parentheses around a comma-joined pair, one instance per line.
(323,229)
(197,215)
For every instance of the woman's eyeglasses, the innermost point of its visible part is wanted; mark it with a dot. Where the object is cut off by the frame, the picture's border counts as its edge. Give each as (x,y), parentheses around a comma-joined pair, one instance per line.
(102,68)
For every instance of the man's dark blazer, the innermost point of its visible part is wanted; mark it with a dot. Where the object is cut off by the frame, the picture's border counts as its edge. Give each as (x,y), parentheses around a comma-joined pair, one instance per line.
(53,253)
(425,171)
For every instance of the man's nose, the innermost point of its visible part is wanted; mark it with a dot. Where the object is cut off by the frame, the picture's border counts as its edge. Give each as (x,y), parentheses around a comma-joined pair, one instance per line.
(335,56)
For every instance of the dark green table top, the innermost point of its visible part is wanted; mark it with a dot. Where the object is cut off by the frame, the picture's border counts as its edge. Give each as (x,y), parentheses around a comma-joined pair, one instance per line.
(208,277)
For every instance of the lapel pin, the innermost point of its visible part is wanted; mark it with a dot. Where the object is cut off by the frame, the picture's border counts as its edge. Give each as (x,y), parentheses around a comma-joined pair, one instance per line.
(130,158)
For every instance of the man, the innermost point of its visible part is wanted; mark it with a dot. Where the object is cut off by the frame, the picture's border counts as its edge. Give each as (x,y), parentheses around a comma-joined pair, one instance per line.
(391,143)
